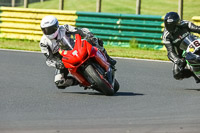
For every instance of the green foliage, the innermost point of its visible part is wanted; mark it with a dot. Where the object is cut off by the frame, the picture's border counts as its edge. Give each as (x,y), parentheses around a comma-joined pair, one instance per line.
(133,43)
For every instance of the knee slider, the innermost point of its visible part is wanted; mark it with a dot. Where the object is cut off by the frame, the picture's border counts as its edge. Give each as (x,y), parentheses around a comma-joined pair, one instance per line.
(59,82)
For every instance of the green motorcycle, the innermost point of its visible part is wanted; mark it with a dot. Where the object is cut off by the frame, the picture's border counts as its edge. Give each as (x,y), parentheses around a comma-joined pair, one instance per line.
(191,47)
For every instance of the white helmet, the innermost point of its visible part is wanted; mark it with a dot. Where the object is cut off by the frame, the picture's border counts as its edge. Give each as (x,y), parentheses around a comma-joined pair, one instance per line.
(50,26)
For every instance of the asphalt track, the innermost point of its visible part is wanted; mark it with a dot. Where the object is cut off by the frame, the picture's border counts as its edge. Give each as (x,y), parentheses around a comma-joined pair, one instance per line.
(149,100)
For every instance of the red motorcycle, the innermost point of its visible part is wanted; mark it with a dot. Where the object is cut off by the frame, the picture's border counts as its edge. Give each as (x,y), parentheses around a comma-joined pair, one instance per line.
(89,66)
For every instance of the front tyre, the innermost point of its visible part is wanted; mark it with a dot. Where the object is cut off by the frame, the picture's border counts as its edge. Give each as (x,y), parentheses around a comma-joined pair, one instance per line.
(98,81)
(116,86)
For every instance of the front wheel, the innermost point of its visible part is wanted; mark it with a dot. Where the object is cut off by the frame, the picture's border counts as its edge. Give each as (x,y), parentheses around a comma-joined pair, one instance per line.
(97,80)
(116,86)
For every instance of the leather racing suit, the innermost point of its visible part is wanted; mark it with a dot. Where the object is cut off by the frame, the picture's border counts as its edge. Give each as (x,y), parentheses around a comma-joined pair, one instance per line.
(172,42)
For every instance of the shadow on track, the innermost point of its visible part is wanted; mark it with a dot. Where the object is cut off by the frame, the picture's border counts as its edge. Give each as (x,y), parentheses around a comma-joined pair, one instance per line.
(99,94)
(128,94)
(193,89)
(88,93)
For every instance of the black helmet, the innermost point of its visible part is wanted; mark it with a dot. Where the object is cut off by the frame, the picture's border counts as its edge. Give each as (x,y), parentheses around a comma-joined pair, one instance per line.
(171,20)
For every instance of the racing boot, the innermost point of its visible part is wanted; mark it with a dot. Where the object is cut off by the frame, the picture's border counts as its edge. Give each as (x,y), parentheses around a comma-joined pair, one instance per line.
(99,44)
(110,60)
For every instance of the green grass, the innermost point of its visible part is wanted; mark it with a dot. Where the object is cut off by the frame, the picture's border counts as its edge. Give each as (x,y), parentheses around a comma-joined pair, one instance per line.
(148,7)
(137,53)
(113,51)
(19,44)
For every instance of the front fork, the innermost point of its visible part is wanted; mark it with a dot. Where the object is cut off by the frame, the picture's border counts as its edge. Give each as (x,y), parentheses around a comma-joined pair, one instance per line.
(110,74)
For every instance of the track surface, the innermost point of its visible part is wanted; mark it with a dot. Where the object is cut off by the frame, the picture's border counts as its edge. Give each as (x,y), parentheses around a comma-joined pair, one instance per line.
(149,100)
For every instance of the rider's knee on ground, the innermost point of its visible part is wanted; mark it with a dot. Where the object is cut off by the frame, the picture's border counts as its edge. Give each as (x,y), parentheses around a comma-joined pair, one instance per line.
(60,84)
(186,73)
(63,83)
(178,76)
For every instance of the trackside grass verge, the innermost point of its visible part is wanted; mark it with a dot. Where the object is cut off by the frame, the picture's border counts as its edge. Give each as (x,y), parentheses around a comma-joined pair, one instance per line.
(148,7)
(112,51)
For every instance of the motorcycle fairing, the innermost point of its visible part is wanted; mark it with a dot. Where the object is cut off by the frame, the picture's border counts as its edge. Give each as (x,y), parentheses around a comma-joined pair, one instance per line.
(194,46)
(191,46)
(82,51)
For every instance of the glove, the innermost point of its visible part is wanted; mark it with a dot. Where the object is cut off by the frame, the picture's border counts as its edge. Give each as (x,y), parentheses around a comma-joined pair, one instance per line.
(89,36)
(100,42)
(60,65)
(86,33)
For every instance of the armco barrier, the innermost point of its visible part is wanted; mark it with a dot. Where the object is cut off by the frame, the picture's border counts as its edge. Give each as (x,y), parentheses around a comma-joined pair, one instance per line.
(114,29)
(196,20)
(120,29)
(21,23)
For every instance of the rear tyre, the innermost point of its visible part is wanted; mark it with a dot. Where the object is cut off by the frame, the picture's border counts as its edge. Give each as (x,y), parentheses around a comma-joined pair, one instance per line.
(94,77)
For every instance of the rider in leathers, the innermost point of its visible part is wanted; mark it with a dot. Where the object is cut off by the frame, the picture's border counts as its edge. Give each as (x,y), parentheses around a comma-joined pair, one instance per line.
(50,44)
(175,31)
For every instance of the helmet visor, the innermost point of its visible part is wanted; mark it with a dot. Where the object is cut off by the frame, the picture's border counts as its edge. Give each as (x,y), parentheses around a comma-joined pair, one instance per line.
(171,27)
(50,30)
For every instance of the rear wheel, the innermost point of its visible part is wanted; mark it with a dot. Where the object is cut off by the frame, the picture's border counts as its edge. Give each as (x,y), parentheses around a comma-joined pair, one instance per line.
(97,79)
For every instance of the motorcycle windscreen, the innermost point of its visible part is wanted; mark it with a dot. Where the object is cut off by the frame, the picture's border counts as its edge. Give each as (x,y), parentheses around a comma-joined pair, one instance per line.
(67,42)
(77,55)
